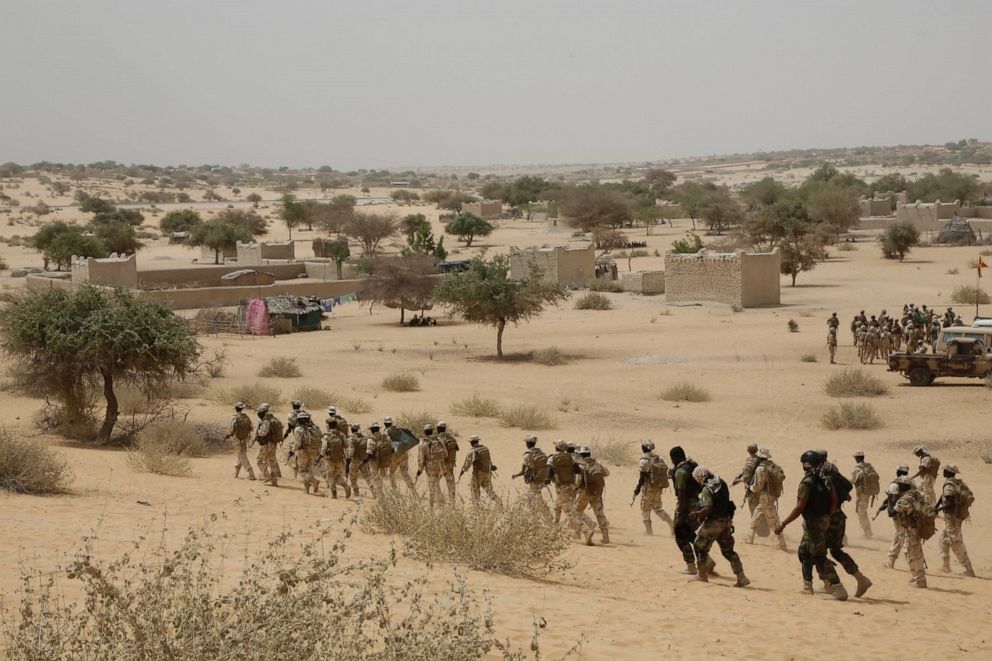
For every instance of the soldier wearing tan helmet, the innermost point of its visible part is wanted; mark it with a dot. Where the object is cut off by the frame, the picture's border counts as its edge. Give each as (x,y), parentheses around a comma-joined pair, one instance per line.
(240,429)
(927,474)
(268,435)
(651,482)
(955,504)
(479,461)
(451,445)
(431,460)
(561,465)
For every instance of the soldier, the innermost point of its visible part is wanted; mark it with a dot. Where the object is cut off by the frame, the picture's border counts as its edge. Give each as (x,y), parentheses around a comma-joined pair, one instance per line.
(837,530)
(955,502)
(355,452)
(815,501)
(686,501)
(927,474)
(240,428)
(335,420)
(561,465)
(332,459)
(401,460)
(451,445)
(715,518)
(747,475)
(833,323)
(767,486)
(866,486)
(592,483)
(379,453)
(306,450)
(268,434)
(291,418)
(651,482)
(891,496)
(832,344)
(535,472)
(910,506)
(433,456)
(479,461)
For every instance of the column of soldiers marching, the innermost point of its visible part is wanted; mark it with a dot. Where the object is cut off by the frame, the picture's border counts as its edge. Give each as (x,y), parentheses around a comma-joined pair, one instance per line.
(875,337)
(346,459)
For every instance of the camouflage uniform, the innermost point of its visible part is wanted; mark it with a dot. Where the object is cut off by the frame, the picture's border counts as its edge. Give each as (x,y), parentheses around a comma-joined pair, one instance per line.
(535,471)
(746,476)
(592,484)
(306,450)
(431,461)
(832,344)
(478,460)
(562,467)
(717,527)
(813,547)
(401,465)
(355,453)
(451,445)
(268,436)
(331,464)
(652,490)
(686,502)
(379,453)
(951,538)
(859,478)
(927,479)
(240,428)
(767,507)
(909,506)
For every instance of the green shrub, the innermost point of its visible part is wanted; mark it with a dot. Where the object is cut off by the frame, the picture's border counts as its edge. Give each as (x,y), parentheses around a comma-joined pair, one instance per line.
(401,383)
(30,466)
(476,406)
(593,301)
(526,417)
(284,368)
(853,382)
(851,415)
(683,391)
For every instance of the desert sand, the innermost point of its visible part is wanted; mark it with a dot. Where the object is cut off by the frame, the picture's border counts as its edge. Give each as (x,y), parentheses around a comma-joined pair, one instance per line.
(626,600)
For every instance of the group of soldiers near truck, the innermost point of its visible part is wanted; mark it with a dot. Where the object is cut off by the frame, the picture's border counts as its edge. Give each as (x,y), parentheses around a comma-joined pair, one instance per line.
(875,337)
(704,511)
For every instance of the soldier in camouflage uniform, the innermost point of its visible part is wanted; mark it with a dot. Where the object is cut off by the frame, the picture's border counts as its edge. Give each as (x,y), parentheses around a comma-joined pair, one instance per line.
(592,483)
(837,530)
(815,501)
(431,460)
(451,445)
(291,418)
(478,460)
(240,429)
(860,478)
(832,344)
(746,476)
(306,450)
(715,518)
(335,420)
(561,466)
(911,505)
(686,502)
(333,453)
(927,474)
(891,497)
(355,452)
(651,482)
(953,505)
(765,486)
(534,470)
(268,434)
(401,461)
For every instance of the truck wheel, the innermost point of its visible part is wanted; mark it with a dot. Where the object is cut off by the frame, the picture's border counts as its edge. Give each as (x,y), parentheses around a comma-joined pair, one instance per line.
(920,376)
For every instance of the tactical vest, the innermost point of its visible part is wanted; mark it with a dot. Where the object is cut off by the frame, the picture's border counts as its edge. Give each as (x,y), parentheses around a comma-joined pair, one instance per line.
(721,502)
(537,461)
(657,471)
(310,440)
(692,489)
(436,454)
(818,503)
(934,469)
(242,426)
(872,481)
(333,447)
(594,477)
(358,448)
(562,468)
(964,498)
(383,451)
(481,461)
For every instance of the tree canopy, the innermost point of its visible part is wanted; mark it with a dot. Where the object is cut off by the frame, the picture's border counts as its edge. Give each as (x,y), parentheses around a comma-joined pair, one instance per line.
(371,229)
(71,342)
(247,219)
(485,294)
(218,236)
(293,212)
(181,220)
(589,207)
(466,226)
(404,281)
(898,239)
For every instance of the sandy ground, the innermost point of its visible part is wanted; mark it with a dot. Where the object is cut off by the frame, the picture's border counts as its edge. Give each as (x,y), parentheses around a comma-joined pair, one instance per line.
(627,599)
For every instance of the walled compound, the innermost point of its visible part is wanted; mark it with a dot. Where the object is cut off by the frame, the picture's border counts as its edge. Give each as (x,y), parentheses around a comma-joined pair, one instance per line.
(571,267)
(737,278)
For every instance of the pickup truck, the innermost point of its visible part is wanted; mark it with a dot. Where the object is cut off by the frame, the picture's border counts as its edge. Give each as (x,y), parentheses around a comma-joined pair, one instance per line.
(964,357)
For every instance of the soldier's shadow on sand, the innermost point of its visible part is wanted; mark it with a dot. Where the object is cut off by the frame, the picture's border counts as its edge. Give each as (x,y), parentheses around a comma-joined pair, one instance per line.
(963,593)
(882,602)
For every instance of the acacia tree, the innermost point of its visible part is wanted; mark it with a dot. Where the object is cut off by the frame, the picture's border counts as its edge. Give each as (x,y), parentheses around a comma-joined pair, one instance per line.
(371,229)
(254,198)
(405,281)
(247,219)
(217,236)
(335,216)
(589,207)
(293,212)
(68,342)
(721,211)
(485,294)
(897,240)
(466,226)
(181,220)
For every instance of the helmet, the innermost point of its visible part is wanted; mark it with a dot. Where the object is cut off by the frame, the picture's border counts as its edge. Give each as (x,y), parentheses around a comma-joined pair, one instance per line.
(893,489)
(429,428)
(647,445)
(572,447)
(811,457)
(303,416)
(442,425)
(902,468)
(762,454)
(822,453)
(767,453)
(297,404)
(474,438)
(953,470)
(264,408)
(904,481)
(918,449)
(859,454)
(333,410)
(239,406)
(388,421)
(374,426)
(531,440)
(355,426)
(584,451)
(561,445)
(752,447)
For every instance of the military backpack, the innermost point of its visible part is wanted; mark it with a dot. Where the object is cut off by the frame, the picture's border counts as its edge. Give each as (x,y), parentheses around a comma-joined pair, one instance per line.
(818,503)
(776,478)
(926,523)
(657,472)
(872,481)
(594,477)
(963,500)
(333,447)
(934,470)
(481,461)
(841,484)
(242,426)
(562,468)
(538,466)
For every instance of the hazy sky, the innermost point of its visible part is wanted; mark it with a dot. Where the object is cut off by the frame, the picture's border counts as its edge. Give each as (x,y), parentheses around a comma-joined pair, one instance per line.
(431,82)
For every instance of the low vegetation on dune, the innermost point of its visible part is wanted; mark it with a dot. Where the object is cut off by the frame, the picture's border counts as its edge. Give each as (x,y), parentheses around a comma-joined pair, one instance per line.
(854,382)
(965,295)
(30,466)
(593,301)
(415,420)
(684,391)
(614,451)
(164,448)
(401,383)
(851,415)
(526,417)
(299,597)
(552,356)
(354,405)
(283,368)
(313,398)
(476,406)
(808,358)
(513,539)
(251,394)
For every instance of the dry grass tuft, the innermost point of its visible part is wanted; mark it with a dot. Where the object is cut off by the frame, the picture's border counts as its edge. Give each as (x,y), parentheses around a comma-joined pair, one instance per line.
(165,449)
(514,539)
(808,358)
(526,417)
(354,405)
(30,466)
(593,301)
(846,246)
(551,356)
(851,415)
(605,284)
(313,398)
(683,391)
(415,420)
(614,451)
(252,394)
(476,406)
(401,383)
(283,368)
(965,295)
(854,382)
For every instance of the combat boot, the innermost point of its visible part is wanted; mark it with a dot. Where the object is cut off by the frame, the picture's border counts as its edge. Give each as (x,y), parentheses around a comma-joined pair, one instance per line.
(251,475)
(807,587)
(690,568)
(334,493)
(750,538)
(700,576)
(863,584)
(919,581)
(316,486)
(347,491)
(969,571)
(306,488)
(742,581)
(589,534)
(890,563)
(711,567)
(781,543)
(237,471)
(647,527)
(946,567)
(839,592)
(828,587)
(606,536)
